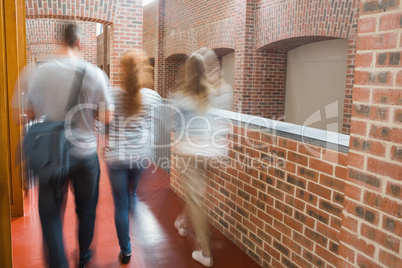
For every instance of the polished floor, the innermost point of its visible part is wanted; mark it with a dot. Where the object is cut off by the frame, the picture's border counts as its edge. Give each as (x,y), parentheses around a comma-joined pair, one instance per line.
(154,240)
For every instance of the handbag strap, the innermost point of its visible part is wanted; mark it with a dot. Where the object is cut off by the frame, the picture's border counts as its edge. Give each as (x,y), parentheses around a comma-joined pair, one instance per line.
(76,86)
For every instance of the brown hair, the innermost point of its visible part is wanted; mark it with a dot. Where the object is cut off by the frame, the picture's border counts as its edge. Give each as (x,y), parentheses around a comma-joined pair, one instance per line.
(196,81)
(137,74)
(71,34)
(213,66)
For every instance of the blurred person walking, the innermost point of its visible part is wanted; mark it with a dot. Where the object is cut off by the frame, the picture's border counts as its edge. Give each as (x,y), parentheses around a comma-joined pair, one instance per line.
(48,94)
(222,93)
(197,140)
(130,139)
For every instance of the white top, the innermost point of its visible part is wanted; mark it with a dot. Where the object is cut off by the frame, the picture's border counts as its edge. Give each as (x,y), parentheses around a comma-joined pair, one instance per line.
(49,92)
(198,132)
(132,139)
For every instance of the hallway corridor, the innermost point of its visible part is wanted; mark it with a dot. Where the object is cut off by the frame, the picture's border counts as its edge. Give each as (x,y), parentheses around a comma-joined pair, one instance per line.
(154,240)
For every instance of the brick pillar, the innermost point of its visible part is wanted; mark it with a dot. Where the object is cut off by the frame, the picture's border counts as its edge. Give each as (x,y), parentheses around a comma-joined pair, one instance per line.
(245,15)
(88,41)
(29,55)
(160,63)
(259,82)
(371,234)
(269,83)
(106,49)
(127,34)
(347,107)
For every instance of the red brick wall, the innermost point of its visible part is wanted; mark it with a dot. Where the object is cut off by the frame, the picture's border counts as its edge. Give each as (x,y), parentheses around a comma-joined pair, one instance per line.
(199,24)
(196,13)
(280,20)
(174,78)
(126,33)
(252,28)
(124,17)
(284,25)
(44,37)
(244,54)
(151,28)
(326,209)
(278,199)
(42,51)
(103,49)
(154,28)
(260,76)
(267,97)
(372,231)
(88,41)
(100,50)
(171,29)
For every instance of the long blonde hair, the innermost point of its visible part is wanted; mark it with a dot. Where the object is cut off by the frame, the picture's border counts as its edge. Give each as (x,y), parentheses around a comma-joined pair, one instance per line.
(196,81)
(137,74)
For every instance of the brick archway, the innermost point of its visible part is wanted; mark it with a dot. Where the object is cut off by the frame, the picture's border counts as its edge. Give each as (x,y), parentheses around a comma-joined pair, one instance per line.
(124,18)
(174,77)
(44,37)
(222,51)
(284,45)
(277,29)
(211,36)
(281,20)
(174,68)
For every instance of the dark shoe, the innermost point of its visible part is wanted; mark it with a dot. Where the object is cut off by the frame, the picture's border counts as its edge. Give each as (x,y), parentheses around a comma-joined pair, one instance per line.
(85,260)
(84,264)
(124,259)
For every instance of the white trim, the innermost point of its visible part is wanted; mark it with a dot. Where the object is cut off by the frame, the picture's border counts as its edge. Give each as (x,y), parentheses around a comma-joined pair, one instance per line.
(304,132)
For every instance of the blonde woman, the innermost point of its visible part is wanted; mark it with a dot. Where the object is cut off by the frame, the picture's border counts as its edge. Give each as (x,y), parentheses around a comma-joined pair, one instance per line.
(195,145)
(129,140)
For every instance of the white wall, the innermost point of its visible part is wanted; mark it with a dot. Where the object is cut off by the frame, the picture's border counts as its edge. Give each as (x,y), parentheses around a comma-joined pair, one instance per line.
(228,68)
(315,84)
(225,92)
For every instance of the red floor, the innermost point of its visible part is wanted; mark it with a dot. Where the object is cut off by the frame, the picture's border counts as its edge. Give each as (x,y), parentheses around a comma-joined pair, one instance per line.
(154,240)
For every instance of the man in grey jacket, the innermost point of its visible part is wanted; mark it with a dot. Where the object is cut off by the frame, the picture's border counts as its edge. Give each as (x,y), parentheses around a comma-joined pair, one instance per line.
(48,93)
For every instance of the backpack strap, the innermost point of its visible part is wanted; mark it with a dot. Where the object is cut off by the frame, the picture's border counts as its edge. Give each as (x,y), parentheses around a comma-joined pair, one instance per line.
(76,86)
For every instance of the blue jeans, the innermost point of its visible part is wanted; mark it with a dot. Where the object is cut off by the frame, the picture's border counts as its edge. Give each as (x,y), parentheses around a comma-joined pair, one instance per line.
(124,183)
(84,174)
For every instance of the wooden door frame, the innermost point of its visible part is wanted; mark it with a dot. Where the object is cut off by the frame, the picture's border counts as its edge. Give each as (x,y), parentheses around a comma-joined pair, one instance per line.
(12,60)
(15,32)
(5,220)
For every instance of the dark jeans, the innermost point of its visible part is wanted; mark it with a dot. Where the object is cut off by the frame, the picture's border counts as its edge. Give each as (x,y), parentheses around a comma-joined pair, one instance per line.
(84,175)
(124,185)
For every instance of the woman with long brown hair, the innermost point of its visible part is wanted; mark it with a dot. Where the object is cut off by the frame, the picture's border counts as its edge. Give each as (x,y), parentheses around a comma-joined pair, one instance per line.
(197,140)
(129,145)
